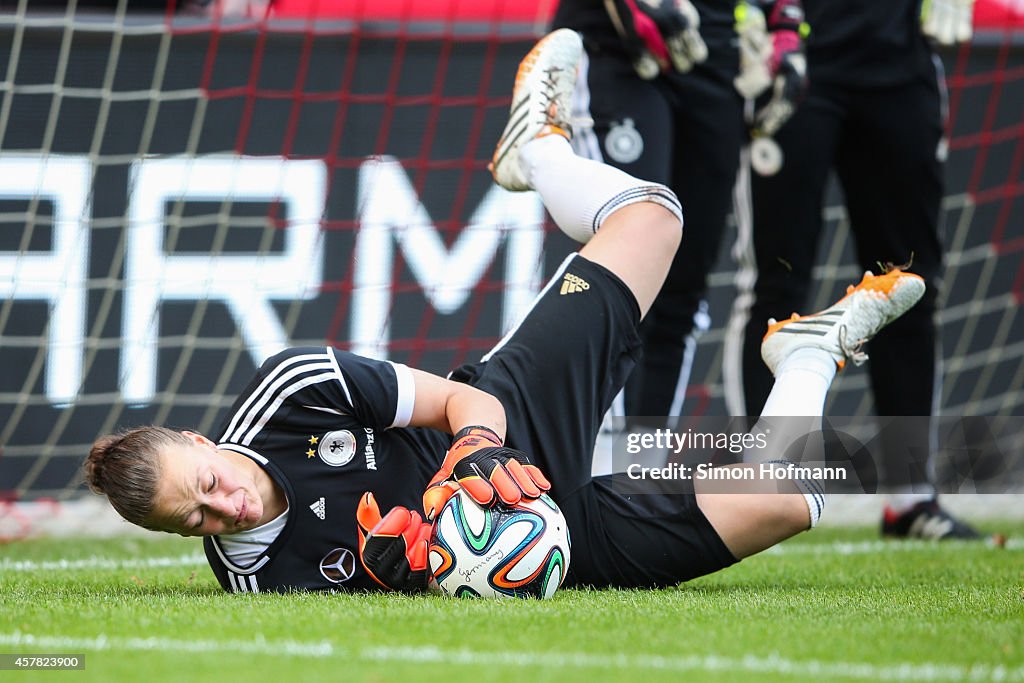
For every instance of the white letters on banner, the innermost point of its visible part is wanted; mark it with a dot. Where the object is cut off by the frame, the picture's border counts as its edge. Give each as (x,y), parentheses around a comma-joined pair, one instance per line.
(246,283)
(57,276)
(389,213)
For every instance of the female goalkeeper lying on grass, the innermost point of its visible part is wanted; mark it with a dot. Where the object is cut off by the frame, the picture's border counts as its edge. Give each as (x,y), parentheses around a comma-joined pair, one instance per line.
(282,496)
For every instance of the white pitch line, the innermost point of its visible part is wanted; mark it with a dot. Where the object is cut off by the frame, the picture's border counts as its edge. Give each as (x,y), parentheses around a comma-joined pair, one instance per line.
(930,672)
(880,547)
(256,646)
(95,562)
(904,671)
(199,560)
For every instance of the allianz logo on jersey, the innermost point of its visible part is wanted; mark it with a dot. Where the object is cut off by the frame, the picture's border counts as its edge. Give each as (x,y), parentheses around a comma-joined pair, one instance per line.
(337,448)
(371,458)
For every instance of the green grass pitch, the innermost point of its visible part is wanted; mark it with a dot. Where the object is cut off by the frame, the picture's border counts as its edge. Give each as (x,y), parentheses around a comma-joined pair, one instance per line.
(832,605)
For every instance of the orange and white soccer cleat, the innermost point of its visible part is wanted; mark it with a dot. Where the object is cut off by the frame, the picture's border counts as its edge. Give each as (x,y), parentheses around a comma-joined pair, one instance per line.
(541,103)
(843,328)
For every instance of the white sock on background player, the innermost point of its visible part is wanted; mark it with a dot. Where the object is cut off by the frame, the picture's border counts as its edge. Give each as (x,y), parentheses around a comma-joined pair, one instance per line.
(901,501)
(580,193)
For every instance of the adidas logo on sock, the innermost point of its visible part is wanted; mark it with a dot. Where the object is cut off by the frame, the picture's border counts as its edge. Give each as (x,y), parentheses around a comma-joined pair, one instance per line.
(572,284)
(319,509)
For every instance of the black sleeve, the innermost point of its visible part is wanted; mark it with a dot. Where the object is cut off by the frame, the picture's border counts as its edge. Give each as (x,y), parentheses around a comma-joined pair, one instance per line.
(379,394)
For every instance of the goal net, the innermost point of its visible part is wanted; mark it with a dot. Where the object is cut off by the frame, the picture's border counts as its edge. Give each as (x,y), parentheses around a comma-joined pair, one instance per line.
(184,191)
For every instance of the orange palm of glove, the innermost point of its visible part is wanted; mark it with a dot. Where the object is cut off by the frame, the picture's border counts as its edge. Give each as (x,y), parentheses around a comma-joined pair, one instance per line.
(393,549)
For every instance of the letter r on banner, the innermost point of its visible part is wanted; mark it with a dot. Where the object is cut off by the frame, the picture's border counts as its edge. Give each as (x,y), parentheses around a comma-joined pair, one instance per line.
(245,283)
(56,276)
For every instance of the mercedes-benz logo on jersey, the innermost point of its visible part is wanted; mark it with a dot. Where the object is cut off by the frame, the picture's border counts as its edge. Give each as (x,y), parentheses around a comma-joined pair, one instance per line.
(337,448)
(338,565)
(624,143)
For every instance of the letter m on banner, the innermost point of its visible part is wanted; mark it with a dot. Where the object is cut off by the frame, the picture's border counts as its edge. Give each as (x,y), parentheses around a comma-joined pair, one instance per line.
(391,213)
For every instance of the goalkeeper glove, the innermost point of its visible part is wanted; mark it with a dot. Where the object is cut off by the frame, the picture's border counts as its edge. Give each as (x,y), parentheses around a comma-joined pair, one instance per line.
(487,471)
(948,21)
(393,550)
(659,34)
(772,57)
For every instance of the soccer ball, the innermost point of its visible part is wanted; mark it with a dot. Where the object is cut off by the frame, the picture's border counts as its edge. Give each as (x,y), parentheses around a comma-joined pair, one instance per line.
(507,551)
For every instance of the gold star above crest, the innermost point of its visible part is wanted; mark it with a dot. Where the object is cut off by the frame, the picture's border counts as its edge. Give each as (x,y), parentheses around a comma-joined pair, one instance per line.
(310,453)
(313,440)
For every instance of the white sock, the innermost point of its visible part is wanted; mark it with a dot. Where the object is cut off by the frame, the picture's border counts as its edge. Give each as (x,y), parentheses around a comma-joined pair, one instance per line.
(802,381)
(798,395)
(813,493)
(580,193)
(801,384)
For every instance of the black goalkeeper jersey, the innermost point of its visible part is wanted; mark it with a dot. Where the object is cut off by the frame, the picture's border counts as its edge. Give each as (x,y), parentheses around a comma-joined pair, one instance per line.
(867,42)
(591,19)
(327,425)
(855,42)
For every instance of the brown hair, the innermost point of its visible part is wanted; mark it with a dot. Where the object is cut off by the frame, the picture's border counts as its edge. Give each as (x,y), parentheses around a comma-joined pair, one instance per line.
(125,466)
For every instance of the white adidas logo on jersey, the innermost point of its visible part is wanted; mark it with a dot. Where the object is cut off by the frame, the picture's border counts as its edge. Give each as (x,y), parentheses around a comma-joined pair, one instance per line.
(319,508)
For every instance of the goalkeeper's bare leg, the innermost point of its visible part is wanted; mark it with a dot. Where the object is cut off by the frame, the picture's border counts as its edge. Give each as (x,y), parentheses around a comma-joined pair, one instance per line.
(627,225)
(633,228)
(804,354)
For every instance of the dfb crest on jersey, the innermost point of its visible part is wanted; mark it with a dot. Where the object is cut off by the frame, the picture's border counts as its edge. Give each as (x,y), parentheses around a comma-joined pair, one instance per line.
(623,143)
(338,565)
(337,448)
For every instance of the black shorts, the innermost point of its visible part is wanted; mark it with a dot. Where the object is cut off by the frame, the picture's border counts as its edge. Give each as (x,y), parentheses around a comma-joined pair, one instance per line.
(556,374)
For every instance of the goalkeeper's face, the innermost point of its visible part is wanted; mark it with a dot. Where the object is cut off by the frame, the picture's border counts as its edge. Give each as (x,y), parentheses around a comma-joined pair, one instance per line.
(204,491)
